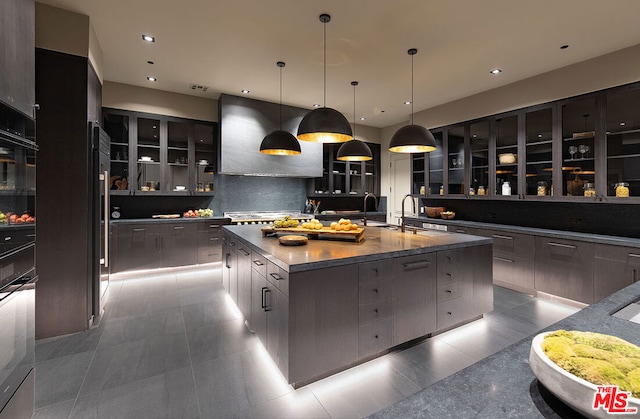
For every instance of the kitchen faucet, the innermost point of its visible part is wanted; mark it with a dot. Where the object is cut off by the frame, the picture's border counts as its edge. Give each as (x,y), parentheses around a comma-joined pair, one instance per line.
(413,206)
(375,206)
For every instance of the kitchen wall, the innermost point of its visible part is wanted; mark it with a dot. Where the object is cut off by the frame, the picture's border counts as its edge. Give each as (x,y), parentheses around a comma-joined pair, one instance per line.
(614,69)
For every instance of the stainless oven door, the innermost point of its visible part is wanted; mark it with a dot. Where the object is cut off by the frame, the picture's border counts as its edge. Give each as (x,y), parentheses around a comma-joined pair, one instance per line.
(17,335)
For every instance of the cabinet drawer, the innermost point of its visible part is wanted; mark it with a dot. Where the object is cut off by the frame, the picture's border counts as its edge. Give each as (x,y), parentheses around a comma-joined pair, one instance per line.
(211,227)
(375,337)
(375,291)
(278,277)
(259,263)
(371,271)
(629,255)
(449,291)
(505,243)
(450,312)
(512,270)
(453,265)
(137,229)
(462,230)
(375,311)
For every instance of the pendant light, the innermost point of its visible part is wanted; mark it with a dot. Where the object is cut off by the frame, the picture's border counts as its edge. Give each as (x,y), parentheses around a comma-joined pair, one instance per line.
(412,138)
(354,150)
(324,125)
(280,142)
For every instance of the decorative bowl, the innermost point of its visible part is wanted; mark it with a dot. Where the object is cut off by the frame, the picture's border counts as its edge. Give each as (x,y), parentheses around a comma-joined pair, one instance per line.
(448,215)
(434,212)
(507,158)
(572,390)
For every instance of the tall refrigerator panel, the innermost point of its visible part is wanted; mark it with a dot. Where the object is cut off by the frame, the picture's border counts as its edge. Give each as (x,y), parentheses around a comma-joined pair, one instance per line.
(99,285)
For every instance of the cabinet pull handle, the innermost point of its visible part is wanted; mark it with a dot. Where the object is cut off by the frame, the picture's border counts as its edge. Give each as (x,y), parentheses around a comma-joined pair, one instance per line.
(232,244)
(244,252)
(449,258)
(7,238)
(449,292)
(264,303)
(461,231)
(178,227)
(503,259)
(449,313)
(416,265)
(375,336)
(275,276)
(375,310)
(448,274)
(214,226)
(633,255)
(258,263)
(634,275)
(33,235)
(226,260)
(138,229)
(375,270)
(376,291)
(498,236)
(213,239)
(564,246)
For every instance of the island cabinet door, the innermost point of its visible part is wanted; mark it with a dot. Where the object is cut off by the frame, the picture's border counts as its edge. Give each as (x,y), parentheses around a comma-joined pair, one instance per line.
(277,306)
(178,241)
(229,263)
(323,321)
(615,268)
(209,242)
(258,324)
(243,284)
(138,247)
(414,297)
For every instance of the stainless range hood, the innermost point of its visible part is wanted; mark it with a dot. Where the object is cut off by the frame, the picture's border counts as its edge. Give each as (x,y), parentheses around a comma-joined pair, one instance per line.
(244,123)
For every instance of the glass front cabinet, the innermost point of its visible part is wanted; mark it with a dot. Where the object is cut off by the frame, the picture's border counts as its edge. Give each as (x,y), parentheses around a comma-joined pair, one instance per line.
(585,148)
(158,155)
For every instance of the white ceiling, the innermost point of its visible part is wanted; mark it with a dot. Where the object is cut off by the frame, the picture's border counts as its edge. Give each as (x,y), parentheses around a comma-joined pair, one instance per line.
(234,45)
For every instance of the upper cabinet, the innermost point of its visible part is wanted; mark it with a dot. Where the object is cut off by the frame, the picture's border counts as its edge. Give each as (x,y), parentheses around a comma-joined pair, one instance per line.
(342,178)
(157,155)
(585,148)
(17,54)
(245,122)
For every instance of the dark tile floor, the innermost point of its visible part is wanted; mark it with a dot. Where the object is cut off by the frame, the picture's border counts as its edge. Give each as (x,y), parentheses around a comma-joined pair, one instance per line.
(173,345)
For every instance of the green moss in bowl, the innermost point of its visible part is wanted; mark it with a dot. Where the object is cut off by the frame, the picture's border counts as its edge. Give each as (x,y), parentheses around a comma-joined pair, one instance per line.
(597,358)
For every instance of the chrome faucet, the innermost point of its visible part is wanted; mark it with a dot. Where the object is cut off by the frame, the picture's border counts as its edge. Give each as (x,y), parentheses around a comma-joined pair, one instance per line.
(413,206)
(375,206)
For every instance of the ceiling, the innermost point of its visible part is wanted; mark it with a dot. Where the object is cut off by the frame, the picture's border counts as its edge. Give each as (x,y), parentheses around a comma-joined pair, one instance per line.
(233,45)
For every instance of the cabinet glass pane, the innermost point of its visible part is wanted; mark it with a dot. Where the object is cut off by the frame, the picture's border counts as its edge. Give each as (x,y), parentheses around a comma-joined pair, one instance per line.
(205,157)
(371,170)
(117,126)
(479,157)
(355,178)
(148,154)
(455,159)
(623,143)
(417,162)
(339,173)
(178,155)
(435,165)
(539,144)
(321,184)
(578,132)
(507,154)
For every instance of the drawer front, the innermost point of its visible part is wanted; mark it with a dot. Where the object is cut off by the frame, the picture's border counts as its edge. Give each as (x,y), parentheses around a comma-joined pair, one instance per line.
(259,263)
(512,270)
(506,243)
(278,277)
(375,311)
(629,255)
(450,312)
(375,337)
(137,229)
(449,291)
(211,227)
(373,271)
(453,265)
(372,291)
(462,230)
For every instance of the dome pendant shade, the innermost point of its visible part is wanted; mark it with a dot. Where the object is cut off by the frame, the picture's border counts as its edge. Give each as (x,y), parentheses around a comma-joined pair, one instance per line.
(412,139)
(354,150)
(280,143)
(324,125)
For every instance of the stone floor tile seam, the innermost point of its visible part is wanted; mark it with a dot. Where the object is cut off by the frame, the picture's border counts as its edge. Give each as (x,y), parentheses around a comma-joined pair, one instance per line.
(193,376)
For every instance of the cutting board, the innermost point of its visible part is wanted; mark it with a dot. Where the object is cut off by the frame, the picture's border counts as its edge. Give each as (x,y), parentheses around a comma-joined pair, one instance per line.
(166,216)
(326,232)
(293,240)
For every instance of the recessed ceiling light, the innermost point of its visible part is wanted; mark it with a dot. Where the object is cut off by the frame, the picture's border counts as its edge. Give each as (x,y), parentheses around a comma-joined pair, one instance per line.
(316,105)
(151,78)
(148,38)
(362,118)
(407,102)
(496,71)
(622,124)
(149,62)
(564,46)
(245,91)
(539,135)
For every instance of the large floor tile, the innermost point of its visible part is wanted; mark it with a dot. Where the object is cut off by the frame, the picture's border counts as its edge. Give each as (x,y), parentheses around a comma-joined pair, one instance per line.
(298,404)
(220,308)
(219,340)
(60,410)
(363,390)
(170,395)
(59,379)
(68,345)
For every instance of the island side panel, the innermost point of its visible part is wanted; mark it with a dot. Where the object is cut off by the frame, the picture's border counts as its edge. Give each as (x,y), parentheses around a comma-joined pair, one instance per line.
(323,321)
(482,279)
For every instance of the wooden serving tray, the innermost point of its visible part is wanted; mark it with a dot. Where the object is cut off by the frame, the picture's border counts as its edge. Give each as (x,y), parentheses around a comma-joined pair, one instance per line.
(293,240)
(358,234)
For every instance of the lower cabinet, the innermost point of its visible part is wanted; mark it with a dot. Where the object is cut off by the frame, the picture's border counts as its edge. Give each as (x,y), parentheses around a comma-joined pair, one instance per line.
(454,291)
(177,244)
(375,307)
(564,268)
(137,247)
(209,242)
(414,297)
(615,268)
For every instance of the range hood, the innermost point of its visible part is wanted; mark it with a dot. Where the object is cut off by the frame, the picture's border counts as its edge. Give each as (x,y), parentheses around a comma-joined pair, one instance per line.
(244,123)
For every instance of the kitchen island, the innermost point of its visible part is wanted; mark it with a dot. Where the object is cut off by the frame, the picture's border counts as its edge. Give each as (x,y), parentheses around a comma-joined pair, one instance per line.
(332,304)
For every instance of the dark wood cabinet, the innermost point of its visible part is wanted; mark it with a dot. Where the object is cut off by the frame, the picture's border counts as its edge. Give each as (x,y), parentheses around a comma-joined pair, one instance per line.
(209,242)
(17,54)
(137,247)
(615,267)
(158,155)
(414,297)
(229,262)
(177,244)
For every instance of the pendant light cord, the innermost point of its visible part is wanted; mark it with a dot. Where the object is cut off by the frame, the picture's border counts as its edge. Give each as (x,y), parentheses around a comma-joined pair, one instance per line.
(412,89)
(324,87)
(354,84)
(280,96)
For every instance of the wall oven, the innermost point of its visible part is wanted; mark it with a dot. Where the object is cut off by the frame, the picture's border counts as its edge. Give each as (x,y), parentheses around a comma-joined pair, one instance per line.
(17,262)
